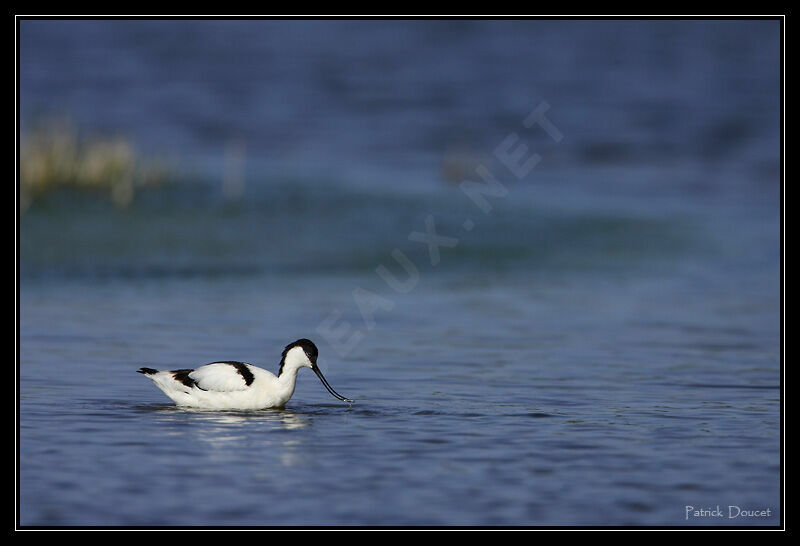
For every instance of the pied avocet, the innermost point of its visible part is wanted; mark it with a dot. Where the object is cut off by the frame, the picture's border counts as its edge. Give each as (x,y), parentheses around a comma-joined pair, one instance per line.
(238,385)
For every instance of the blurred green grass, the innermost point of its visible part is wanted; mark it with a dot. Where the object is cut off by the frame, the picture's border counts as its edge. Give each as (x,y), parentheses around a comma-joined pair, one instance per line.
(55,155)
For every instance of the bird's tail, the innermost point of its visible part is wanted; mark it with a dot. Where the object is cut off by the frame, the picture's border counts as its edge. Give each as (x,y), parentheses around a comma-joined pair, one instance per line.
(147,371)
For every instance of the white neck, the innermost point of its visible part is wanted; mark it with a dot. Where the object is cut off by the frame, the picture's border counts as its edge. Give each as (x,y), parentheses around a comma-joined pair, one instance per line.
(295,359)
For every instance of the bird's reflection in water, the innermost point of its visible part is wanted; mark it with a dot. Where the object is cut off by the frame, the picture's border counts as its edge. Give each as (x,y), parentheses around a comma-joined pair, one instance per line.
(229,433)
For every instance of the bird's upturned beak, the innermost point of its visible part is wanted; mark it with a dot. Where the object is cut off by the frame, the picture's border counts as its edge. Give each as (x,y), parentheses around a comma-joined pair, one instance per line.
(324,382)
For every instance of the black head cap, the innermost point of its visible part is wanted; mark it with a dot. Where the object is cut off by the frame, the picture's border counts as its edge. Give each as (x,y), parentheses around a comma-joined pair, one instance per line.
(307,346)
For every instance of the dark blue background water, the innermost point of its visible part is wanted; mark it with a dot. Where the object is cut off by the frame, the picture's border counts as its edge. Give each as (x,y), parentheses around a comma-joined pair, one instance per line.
(601,347)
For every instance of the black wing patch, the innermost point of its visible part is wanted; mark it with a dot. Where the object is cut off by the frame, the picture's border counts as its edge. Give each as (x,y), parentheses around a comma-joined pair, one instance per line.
(183,377)
(241,367)
(243,370)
